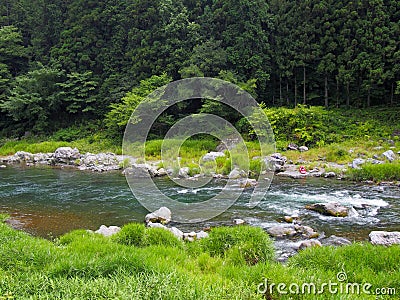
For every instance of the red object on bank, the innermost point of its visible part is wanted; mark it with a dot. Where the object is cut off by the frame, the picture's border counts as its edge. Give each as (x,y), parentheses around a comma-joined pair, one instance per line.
(302,170)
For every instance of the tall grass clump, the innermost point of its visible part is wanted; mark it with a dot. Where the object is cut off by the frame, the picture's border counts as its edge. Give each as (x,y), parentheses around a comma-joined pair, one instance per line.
(138,235)
(378,172)
(240,244)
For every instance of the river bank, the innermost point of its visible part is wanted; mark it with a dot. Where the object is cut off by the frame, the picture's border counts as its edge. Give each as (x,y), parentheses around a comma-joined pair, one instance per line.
(150,263)
(353,169)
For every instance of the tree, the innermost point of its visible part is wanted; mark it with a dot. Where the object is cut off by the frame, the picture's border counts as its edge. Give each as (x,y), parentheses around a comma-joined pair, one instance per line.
(118,117)
(32,102)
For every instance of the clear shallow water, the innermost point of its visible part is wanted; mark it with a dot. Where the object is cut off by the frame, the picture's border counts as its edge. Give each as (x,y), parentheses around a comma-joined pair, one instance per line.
(49,202)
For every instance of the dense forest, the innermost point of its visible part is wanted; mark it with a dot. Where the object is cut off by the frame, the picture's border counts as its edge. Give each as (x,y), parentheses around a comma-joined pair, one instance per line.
(65,61)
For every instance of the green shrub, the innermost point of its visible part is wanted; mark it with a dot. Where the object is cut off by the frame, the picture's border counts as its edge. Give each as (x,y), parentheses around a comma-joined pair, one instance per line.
(73,236)
(378,172)
(160,236)
(131,234)
(246,243)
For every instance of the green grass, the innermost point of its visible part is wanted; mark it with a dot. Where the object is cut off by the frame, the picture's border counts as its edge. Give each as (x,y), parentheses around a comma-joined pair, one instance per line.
(377,173)
(231,264)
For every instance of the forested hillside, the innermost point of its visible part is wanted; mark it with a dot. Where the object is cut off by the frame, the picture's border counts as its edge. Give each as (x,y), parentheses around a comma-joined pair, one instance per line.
(64,61)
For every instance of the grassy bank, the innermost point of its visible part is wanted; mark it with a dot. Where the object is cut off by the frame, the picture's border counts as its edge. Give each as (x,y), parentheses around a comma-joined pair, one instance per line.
(335,135)
(141,263)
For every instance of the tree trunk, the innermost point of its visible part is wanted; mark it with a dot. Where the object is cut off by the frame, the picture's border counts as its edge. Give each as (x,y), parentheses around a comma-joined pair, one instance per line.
(287,93)
(348,94)
(337,93)
(369,97)
(295,91)
(280,90)
(391,94)
(304,84)
(326,91)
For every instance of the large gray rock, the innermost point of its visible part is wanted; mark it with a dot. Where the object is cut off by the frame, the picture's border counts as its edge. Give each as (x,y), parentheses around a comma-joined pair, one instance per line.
(184,172)
(357,162)
(292,146)
(334,240)
(275,162)
(212,156)
(177,232)
(108,231)
(66,155)
(309,244)
(329,209)
(282,231)
(161,215)
(384,237)
(238,222)
(389,155)
(303,148)
(24,156)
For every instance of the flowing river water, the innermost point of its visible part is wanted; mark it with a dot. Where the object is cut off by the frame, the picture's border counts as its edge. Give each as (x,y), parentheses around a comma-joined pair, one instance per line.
(48,202)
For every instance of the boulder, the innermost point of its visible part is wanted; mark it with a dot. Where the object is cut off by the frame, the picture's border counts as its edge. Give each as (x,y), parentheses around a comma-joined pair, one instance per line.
(184,172)
(303,148)
(24,156)
(108,231)
(389,155)
(330,175)
(248,183)
(329,209)
(66,155)
(177,232)
(282,231)
(306,231)
(161,215)
(334,240)
(309,243)
(190,237)
(238,221)
(292,146)
(275,162)
(162,172)
(357,162)
(3,166)
(201,235)
(385,238)
(212,156)
(156,225)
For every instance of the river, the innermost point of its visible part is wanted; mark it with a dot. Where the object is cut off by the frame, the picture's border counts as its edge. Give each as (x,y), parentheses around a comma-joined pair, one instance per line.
(48,202)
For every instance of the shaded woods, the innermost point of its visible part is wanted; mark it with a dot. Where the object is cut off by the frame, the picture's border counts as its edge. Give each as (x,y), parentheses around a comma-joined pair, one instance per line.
(76,58)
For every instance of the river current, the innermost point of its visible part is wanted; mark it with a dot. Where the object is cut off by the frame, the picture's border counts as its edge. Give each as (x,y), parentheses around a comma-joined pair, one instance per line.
(48,202)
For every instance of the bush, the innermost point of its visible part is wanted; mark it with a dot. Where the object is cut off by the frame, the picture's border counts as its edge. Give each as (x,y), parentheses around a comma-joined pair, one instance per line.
(131,234)
(162,237)
(242,243)
(138,235)
(379,172)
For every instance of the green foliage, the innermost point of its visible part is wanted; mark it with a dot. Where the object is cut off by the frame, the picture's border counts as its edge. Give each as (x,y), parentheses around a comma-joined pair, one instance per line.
(119,115)
(139,236)
(89,266)
(78,92)
(319,126)
(131,234)
(250,244)
(378,172)
(161,237)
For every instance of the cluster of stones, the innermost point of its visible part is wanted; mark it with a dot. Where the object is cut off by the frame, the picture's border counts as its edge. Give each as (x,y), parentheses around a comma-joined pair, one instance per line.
(291,232)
